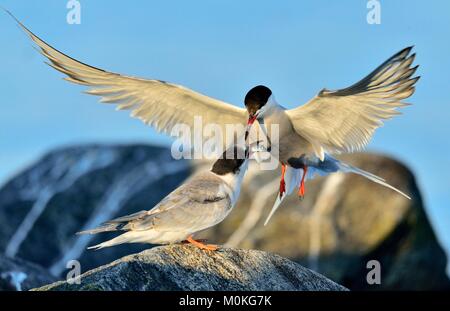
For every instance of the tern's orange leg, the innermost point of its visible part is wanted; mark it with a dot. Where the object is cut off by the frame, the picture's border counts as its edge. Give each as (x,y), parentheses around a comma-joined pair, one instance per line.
(301,189)
(208,247)
(198,240)
(282,182)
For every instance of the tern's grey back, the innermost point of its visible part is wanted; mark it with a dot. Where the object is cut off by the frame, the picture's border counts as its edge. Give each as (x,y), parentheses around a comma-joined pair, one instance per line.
(199,203)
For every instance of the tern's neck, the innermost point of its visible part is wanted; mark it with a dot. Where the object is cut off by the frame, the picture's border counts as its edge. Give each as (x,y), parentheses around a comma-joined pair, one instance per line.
(234,181)
(270,107)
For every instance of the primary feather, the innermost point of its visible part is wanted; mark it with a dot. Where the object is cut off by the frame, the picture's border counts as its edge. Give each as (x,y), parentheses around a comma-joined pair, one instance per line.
(157,103)
(345,120)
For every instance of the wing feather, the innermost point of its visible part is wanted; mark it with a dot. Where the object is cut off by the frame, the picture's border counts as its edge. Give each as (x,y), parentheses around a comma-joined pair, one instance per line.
(345,120)
(157,103)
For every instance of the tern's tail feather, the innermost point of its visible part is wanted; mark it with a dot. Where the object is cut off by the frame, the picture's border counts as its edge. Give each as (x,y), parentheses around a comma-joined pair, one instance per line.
(346,168)
(117,240)
(103,228)
(115,224)
(129,237)
(331,165)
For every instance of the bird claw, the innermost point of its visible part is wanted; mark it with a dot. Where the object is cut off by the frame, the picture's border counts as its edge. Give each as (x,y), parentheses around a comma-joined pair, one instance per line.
(210,247)
(206,247)
(198,244)
(199,240)
(301,191)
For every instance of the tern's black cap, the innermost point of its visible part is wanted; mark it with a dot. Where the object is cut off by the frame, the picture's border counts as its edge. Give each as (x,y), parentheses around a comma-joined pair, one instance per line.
(256,98)
(230,162)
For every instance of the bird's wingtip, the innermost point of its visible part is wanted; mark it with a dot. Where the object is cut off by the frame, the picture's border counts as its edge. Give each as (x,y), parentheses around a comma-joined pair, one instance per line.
(409,48)
(19,23)
(5,9)
(10,14)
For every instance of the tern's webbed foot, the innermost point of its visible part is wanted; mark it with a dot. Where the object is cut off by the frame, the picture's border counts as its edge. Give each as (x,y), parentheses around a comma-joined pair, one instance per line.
(208,247)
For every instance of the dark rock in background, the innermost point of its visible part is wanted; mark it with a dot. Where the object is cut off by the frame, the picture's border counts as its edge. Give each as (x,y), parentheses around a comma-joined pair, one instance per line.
(77,188)
(17,275)
(185,267)
(343,222)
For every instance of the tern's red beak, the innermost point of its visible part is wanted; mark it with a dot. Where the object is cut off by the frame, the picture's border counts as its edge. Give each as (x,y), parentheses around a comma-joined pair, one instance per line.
(251,119)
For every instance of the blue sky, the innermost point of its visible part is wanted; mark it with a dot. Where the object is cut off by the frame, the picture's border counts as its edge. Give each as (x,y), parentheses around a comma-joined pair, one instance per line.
(223,48)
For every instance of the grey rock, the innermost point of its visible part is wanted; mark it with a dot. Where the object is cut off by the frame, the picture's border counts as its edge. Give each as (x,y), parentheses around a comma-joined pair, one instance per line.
(184,267)
(73,188)
(17,275)
(76,188)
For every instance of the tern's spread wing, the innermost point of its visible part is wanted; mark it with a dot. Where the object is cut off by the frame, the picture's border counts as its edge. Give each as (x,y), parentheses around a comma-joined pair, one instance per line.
(345,120)
(157,103)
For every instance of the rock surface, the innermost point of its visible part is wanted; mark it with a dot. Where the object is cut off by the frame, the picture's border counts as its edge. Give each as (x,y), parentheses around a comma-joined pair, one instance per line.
(184,267)
(17,275)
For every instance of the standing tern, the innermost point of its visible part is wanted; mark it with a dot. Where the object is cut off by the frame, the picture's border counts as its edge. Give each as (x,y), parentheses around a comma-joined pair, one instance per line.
(200,203)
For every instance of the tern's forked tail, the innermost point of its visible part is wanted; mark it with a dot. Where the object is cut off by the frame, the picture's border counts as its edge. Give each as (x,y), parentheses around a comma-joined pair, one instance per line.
(330,165)
(346,168)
